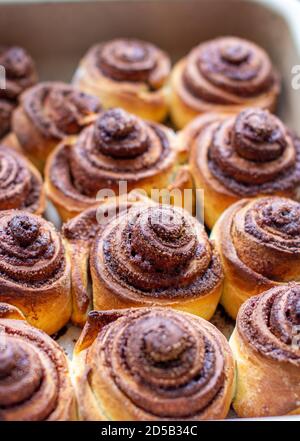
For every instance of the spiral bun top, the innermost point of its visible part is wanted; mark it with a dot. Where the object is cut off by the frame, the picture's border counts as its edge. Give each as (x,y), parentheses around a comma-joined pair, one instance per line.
(169,365)
(156,252)
(227,70)
(34,383)
(58,110)
(117,147)
(270,323)
(31,250)
(131,60)
(19,69)
(264,235)
(20,185)
(249,154)
(20,73)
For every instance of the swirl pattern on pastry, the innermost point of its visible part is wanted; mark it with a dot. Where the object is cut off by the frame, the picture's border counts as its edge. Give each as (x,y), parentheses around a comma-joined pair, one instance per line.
(250,154)
(31,251)
(226,71)
(266,236)
(157,253)
(117,147)
(34,378)
(132,61)
(270,322)
(20,71)
(57,110)
(20,184)
(166,364)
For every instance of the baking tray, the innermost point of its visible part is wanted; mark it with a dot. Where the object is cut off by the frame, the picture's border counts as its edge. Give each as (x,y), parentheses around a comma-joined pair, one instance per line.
(58,33)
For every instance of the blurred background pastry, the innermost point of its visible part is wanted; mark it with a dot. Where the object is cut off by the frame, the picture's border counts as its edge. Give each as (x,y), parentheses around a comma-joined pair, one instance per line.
(223,75)
(21,185)
(20,73)
(127,73)
(49,112)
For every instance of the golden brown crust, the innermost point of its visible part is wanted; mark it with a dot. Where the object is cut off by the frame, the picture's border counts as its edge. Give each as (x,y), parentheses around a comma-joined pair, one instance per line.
(49,112)
(155,255)
(34,270)
(20,73)
(223,75)
(248,155)
(152,364)
(10,312)
(259,244)
(21,185)
(266,346)
(34,381)
(127,73)
(117,147)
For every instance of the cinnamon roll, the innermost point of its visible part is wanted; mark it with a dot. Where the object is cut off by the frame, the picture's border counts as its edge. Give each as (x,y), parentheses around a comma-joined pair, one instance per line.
(79,234)
(49,112)
(34,376)
(259,244)
(34,271)
(247,155)
(118,147)
(266,347)
(152,364)
(148,255)
(223,75)
(20,73)
(127,73)
(21,185)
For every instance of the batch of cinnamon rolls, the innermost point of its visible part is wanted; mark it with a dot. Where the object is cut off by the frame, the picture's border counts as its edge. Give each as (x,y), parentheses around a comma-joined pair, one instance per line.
(143,278)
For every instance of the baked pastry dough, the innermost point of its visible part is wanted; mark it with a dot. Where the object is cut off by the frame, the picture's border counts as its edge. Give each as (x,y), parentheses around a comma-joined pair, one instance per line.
(147,254)
(259,244)
(223,75)
(127,73)
(20,73)
(152,364)
(247,155)
(21,184)
(266,347)
(34,376)
(118,147)
(34,271)
(49,112)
